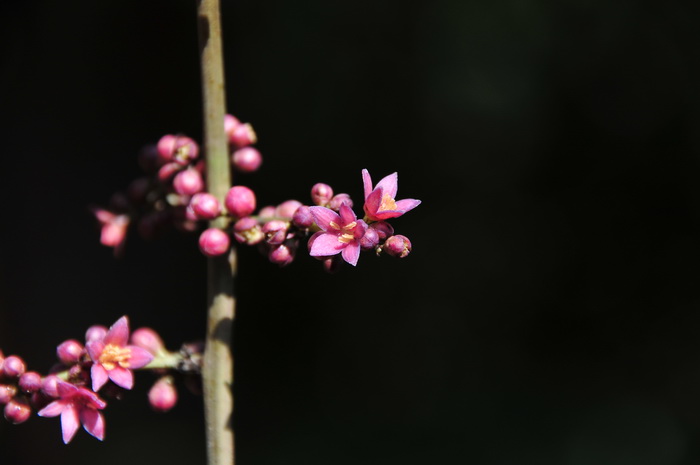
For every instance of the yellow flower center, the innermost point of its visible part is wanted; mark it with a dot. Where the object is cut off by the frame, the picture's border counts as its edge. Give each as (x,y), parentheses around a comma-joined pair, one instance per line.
(346,235)
(388,203)
(113,355)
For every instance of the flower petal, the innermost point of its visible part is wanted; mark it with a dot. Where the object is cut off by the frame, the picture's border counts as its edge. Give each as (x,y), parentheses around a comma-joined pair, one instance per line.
(406,205)
(69,423)
(54,409)
(118,333)
(346,214)
(94,349)
(326,245)
(99,376)
(351,253)
(93,422)
(122,377)
(324,217)
(366,183)
(390,184)
(372,203)
(140,357)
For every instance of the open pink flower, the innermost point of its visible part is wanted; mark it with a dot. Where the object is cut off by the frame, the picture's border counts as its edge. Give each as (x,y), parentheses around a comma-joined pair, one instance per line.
(76,405)
(380,202)
(341,233)
(113,228)
(114,359)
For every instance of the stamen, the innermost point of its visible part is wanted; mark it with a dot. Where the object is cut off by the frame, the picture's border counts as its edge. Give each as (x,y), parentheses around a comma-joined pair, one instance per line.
(113,355)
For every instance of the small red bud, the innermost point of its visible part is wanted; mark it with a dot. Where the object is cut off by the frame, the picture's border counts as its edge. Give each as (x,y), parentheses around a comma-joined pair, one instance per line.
(17,411)
(69,351)
(163,395)
(240,201)
(214,242)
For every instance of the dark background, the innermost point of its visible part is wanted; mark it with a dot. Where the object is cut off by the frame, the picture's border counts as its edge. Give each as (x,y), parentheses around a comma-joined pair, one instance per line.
(549,311)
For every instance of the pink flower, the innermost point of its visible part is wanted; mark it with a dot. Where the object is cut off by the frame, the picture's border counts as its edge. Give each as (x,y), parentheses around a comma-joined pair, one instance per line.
(76,405)
(113,228)
(114,359)
(380,202)
(341,233)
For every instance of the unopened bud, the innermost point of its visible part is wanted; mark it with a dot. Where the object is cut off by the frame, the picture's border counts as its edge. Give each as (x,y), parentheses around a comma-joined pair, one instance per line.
(214,242)
(243,135)
(338,200)
(267,212)
(166,147)
(188,182)
(148,339)
(95,333)
(163,395)
(248,231)
(69,351)
(286,209)
(205,206)
(281,255)
(382,228)
(230,123)
(167,171)
(397,246)
(370,240)
(17,411)
(7,392)
(246,159)
(321,194)
(13,367)
(49,385)
(30,381)
(186,150)
(240,201)
(275,231)
(303,218)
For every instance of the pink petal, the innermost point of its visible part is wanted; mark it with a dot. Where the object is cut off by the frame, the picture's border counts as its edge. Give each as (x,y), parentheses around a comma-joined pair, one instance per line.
(406,205)
(122,377)
(372,202)
(118,333)
(390,185)
(351,253)
(366,182)
(346,214)
(360,230)
(94,349)
(54,409)
(69,423)
(387,214)
(93,422)
(140,357)
(99,376)
(324,217)
(325,245)
(65,389)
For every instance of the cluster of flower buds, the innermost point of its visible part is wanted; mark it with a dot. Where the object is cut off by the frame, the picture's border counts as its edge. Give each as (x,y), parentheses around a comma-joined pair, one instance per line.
(333,230)
(103,363)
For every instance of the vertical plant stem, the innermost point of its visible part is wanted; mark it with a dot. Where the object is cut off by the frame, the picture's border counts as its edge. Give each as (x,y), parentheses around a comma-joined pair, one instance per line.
(217,372)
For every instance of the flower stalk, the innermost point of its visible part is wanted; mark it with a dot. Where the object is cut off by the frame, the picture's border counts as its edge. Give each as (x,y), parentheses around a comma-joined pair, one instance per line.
(217,371)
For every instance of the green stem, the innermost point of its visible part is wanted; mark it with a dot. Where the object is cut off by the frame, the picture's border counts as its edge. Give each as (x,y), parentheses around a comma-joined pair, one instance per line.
(217,371)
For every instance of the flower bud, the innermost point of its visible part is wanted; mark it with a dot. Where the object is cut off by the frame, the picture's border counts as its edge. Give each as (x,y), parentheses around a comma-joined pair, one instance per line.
(332,264)
(286,209)
(321,194)
(188,182)
(186,150)
(13,367)
(167,171)
(214,242)
(246,159)
(148,339)
(230,123)
(205,206)
(281,254)
(338,200)
(382,228)
(397,246)
(95,332)
(267,212)
(49,385)
(243,135)
(30,381)
(69,351)
(7,392)
(303,218)
(17,411)
(248,231)
(166,147)
(370,240)
(275,231)
(240,201)
(163,395)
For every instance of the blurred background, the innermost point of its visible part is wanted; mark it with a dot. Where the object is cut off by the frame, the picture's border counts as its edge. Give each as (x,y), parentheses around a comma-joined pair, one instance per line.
(549,311)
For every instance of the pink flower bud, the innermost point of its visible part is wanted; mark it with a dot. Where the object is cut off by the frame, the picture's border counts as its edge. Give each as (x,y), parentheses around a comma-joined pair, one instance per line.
(186,150)
(267,212)
(240,201)
(30,381)
(338,200)
(243,135)
(167,171)
(321,194)
(370,240)
(230,123)
(214,242)
(303,218)
(69,351)
(13,367)
(397,246)
(166,147)
(332,264)
(148,339)
(7,392)
(286,209)
(281,255)
(246,159)
(163,395)
(383,228)
(49,385)
(205,206)
(17,411)
(248,231)
(188,182)
(95,333)
(275,231)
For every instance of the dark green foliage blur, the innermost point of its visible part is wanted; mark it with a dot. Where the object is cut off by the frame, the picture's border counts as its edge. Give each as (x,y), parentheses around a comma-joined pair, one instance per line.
(549,312)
